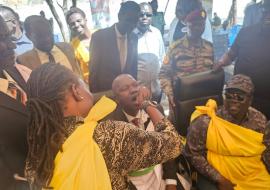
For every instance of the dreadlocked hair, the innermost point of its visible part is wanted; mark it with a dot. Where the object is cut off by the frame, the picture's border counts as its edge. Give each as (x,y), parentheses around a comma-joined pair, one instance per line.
(47,87)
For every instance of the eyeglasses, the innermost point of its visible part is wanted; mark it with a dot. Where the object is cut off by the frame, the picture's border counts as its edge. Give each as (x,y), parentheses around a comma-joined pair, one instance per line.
(10,20)
(235,96)
(146,14)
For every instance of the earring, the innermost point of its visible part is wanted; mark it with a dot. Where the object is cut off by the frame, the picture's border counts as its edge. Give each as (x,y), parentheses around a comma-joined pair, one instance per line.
(81,97)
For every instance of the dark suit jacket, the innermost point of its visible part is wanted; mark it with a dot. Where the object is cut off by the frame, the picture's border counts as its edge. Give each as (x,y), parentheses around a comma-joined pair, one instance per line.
(13,143)
(105,64)
(116,115)
(31,60)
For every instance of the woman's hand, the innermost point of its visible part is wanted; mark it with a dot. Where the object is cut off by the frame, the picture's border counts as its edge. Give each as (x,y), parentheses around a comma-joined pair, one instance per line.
(143,95)
(225,184)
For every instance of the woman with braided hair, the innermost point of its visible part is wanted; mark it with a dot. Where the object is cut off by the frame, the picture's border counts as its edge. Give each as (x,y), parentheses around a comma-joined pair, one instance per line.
(70,150)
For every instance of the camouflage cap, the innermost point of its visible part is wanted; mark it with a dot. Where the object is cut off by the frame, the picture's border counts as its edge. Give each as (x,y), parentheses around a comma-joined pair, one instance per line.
(241,82)
(199,14)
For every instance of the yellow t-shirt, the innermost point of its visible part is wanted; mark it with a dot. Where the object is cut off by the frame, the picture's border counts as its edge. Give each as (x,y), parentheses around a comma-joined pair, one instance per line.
(82,56)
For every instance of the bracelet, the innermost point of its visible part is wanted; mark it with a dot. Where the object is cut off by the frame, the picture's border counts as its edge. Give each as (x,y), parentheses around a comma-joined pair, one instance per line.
(147,103)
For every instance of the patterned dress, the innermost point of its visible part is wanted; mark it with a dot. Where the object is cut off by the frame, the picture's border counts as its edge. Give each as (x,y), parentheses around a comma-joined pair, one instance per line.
(127,148)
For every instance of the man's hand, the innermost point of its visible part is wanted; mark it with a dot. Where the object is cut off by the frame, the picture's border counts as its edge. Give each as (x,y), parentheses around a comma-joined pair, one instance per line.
(143,95)
(225,184)
(171,187)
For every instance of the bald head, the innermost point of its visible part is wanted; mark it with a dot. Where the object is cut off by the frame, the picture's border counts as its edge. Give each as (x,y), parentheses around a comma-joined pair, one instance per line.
(145,6)
(126,89)
(119,82)
(145,17)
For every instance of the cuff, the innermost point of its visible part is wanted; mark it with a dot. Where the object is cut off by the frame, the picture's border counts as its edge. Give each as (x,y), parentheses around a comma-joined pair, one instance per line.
(170,182)
(162,125)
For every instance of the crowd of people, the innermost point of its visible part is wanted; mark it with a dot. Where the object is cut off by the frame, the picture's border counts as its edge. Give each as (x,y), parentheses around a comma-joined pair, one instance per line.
(87,115)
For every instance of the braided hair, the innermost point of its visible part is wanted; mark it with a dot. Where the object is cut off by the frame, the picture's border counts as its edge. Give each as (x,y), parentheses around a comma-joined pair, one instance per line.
(47,87)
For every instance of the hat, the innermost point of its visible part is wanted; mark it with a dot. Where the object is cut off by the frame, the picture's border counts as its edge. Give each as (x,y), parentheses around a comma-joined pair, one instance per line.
(241,82)
(198,14)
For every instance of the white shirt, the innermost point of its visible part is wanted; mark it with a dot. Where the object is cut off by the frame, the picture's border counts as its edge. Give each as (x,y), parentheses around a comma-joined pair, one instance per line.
(58,56)
(122,47)
(151,52)
(152,180)
(207,34)
(142,116)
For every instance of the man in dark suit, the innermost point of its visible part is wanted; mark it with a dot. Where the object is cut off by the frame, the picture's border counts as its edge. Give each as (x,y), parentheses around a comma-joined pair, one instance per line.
(9,70)
(39,31)
(113,50)
(13,115)
(250,51)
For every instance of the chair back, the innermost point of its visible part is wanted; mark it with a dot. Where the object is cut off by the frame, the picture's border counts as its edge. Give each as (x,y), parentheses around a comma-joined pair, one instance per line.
(193,91)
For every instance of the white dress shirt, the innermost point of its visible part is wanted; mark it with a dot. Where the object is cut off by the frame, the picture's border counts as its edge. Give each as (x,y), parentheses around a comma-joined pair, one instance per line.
(151,52)
(122,47)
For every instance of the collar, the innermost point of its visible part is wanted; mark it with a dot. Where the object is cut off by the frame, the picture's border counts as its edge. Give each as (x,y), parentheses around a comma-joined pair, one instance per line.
(43,52)
(118,34)
(5,82)
(10,87)
(138,32)
(71,123)
(141,115)
(187,44)
(73,120)
(4,85)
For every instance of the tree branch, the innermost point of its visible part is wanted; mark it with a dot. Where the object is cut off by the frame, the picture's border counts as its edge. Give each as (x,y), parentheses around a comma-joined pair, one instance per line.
(74,3)
(57,18)
(59,5)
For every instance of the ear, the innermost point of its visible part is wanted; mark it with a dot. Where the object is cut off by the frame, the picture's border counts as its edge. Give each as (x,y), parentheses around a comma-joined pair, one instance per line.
(115,97)
(76,93)
(119,16)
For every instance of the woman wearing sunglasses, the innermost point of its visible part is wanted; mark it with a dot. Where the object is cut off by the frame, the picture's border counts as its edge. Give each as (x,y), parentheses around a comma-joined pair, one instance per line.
(230,146)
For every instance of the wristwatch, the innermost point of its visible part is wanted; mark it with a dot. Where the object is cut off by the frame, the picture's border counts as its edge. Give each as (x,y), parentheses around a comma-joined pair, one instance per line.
(147,103)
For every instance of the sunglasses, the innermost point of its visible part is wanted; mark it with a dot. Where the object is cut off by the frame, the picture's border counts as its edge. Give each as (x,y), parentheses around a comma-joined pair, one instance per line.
(146,14)
(235,96)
